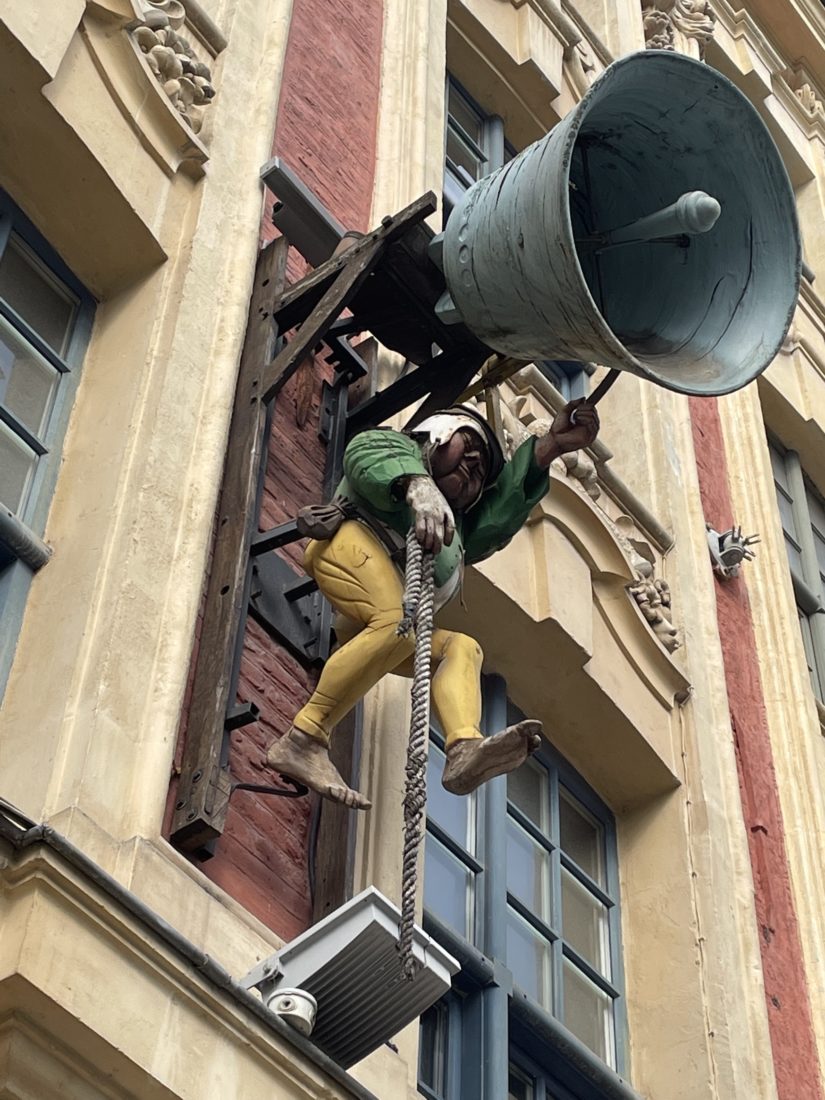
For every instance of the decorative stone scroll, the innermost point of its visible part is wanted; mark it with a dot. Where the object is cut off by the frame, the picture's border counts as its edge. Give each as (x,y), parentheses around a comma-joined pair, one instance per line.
(658,29)
(186,80)
(807,92)
(685,26)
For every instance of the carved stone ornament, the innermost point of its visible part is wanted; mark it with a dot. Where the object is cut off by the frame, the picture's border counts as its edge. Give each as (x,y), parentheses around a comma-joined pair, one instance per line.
(658,29)
(185,79)
(686,26)
(653,598)
(695,22)
(652,594)
(810,101)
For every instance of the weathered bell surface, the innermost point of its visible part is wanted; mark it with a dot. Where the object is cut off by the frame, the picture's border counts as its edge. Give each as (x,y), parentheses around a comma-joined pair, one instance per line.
(558,255)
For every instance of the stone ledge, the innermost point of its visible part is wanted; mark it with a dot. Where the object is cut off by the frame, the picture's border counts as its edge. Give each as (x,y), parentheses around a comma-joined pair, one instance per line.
(87,974)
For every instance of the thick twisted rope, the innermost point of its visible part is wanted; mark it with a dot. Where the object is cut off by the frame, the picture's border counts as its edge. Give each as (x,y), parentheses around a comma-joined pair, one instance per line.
(418,611)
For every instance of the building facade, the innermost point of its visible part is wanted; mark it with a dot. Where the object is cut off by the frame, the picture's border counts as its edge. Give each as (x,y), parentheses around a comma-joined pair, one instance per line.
(637,911)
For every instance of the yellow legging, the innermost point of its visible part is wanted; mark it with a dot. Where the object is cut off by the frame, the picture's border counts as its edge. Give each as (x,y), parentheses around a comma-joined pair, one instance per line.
(355,573)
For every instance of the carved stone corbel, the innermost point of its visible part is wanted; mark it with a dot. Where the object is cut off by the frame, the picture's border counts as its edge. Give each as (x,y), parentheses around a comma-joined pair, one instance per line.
(685,26)
(652,594)
(694,22)
(658,28)
(186,80)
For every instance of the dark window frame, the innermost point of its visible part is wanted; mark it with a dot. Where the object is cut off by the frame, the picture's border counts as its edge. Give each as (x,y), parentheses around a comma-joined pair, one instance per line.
(30,521)
(797,489)
(488,1008)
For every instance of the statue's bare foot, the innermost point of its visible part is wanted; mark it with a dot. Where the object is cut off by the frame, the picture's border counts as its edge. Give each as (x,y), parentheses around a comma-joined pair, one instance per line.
(306,759)
(472,762)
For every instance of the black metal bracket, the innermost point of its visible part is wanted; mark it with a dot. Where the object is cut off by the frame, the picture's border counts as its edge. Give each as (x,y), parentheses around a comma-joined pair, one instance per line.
(290,607)
(298,789)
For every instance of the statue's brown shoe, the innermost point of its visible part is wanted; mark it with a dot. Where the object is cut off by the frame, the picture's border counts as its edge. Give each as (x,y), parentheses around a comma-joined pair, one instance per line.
(473,761)
(306,759)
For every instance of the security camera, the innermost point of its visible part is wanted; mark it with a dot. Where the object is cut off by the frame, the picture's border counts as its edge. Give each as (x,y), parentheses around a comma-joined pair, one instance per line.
(296,1006)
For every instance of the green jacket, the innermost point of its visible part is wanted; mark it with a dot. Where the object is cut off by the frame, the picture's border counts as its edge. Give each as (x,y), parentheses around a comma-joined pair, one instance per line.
(375,459)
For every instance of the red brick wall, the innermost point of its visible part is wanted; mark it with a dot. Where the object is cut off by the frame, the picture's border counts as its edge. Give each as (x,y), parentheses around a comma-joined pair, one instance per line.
(789,1010)
(326,132)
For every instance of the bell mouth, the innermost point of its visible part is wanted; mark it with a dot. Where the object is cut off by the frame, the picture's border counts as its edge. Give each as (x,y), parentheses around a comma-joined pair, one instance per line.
(707,313)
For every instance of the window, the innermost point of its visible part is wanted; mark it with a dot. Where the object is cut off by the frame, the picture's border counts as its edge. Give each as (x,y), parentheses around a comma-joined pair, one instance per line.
(521,884)
(45,320)
(475,144)
(802,511)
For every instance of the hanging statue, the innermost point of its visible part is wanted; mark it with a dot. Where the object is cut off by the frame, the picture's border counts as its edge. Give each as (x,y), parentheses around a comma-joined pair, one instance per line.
(449,480)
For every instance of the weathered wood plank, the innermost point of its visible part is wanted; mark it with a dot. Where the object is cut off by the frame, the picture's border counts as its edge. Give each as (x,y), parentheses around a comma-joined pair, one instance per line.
(295,303)
(201,805)
(337,297)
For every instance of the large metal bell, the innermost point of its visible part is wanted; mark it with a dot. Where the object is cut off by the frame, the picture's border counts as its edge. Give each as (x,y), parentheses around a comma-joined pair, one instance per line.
(653,230)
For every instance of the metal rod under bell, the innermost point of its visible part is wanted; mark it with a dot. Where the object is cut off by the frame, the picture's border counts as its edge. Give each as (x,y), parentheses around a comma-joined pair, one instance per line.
(599,391)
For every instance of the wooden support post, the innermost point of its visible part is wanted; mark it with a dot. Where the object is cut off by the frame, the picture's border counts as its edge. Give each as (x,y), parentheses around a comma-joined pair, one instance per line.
(203,793)
(338,280)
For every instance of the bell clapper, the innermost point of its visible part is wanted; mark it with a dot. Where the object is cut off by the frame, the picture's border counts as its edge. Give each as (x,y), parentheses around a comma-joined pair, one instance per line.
(693,213)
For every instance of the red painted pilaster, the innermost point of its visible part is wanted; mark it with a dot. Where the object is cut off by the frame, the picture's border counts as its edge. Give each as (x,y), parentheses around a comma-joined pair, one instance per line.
(793,1042)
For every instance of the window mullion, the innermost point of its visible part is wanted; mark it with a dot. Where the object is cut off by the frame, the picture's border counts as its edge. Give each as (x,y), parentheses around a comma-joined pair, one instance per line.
(5,231)
(496,1031)
(27,332)
(494,142)
(555,897)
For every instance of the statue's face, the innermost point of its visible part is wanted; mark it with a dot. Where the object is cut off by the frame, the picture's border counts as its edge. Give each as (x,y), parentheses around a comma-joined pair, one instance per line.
(459,468)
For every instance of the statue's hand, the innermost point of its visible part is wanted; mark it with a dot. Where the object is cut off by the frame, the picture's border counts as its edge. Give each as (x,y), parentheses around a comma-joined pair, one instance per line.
(567,433)
(434,522)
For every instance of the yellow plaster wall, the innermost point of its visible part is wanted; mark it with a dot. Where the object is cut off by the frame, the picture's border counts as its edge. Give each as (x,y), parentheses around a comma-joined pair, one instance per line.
(696,1005)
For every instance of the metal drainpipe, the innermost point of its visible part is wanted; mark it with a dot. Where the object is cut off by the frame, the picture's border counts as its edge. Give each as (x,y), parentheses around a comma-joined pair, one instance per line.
(22,542)
(23,838)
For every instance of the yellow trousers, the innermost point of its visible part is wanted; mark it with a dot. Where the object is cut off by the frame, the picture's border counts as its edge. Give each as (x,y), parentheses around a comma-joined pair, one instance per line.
(355,573)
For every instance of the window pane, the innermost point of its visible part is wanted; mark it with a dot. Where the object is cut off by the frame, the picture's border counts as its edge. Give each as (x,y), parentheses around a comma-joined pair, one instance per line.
(520,1086)
(810,652)
(452,812)
(432,1049)
(465,115)
(463,156)
(588,1013)
(778,464)
(448,888)
(817,514)
(584,923)
(582,837)
(37,295)
(528,870)
(528,789)
(794,556)
(17,463)
(27,381)
(786,511)
(529,958)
